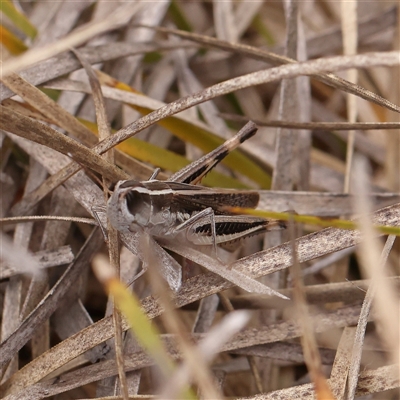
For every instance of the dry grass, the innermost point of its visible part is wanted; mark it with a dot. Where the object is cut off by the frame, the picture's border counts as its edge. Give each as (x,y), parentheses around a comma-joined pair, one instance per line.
(328,145)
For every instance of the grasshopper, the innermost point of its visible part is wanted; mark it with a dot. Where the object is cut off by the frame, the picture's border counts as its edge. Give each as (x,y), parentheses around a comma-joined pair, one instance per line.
(179,210)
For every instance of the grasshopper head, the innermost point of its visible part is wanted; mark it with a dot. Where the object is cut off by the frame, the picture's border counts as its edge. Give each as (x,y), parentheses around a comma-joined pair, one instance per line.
(129,206)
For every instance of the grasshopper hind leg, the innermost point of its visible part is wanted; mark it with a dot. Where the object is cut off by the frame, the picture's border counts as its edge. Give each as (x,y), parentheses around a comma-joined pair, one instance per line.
(205,216)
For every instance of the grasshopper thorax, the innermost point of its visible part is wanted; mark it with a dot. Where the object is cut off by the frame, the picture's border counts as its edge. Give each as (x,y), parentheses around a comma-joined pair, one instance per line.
(135,206)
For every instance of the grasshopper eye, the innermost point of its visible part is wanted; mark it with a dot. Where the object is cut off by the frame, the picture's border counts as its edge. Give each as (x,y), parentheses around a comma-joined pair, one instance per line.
(165,213)
(134,201)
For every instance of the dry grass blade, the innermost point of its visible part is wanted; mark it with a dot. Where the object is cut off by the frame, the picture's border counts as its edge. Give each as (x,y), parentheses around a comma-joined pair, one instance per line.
(116,19)
(55,180)
(41,259)
(65,63)
(282,178)
(12,296)
(370,382)
(350,36)
(43,134)
(46,106)
(227,305)
(393,155)
(112,234)
(371,24)
(361,326)
(43,311)
(32,218)
(383,294)
(101,115)
(346,292)
(308,340)
(324,126)
(275,59)
(342,363)
(195,360)
(319,203)
(232,275)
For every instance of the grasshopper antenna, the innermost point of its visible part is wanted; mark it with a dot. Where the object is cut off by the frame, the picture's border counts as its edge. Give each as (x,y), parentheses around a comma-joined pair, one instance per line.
(155,174)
